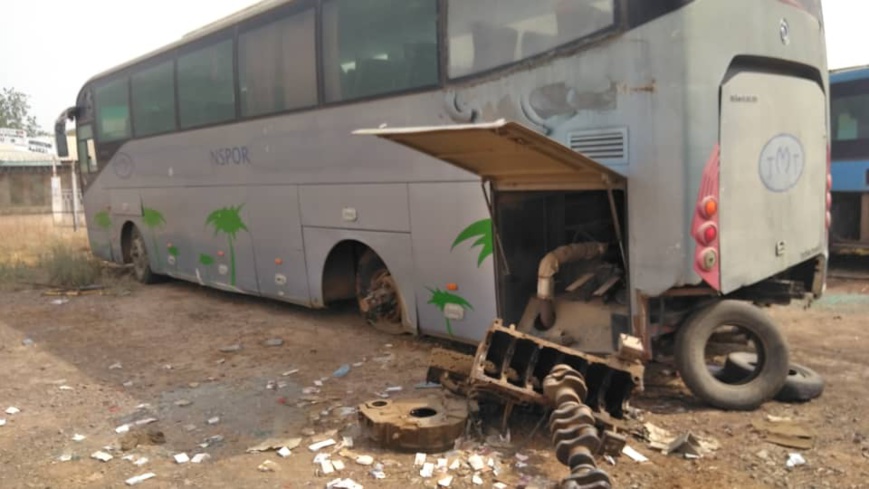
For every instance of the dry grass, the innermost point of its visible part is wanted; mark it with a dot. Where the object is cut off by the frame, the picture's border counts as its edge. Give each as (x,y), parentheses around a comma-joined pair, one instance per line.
(35,250)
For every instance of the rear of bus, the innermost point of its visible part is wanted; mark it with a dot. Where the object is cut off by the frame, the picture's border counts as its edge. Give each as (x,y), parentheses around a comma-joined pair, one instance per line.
(849,118)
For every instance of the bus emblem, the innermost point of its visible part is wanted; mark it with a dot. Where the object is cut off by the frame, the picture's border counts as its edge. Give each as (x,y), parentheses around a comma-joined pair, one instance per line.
(785,32)
(782,162)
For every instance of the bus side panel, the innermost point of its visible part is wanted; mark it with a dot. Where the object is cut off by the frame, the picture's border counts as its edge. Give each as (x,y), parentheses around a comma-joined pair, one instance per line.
(359,206)
(393,248)
(453,243)
(279,250)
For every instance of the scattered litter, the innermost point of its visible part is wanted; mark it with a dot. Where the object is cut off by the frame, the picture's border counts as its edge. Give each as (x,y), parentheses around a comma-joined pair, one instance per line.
(77,437)
(499,485)
(785,432)
(358,364)
(59,302)
(320,445)
(181,458)
(342,371)
(124,428)
(388,345)
(634,455)
(763,455)
(116,366)
(419,460)
(476,462)
(183,402)
(12,410)
(267,466)
(189,427)
(167,367)
(658,438)
(215,439)
(393,389)
(427,470)
(326,467)
(456,464)
(102,456)
(193,385)
(320,457)
(128,384)
(27,342)
(347,441)
(365,460)
(200,457)
(2,422)
(132,481)
(275,444)
(144,421)
(446,481)
(214,420)
(308,431)
(66,457)
(282,384)
(477,480)
(343,484)
(271,385)
(143,406)
(274,342)
(795,460)
(427,385)
(290,372)
(442,465)
(310,390)
(65,388)
(610,459)
(377,472)
(230,349)
(338,465)
(687,445)
(284,452)
(140,461)
(318,383)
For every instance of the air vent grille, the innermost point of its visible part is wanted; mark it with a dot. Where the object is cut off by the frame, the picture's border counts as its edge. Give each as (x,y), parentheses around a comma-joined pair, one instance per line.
(606,145)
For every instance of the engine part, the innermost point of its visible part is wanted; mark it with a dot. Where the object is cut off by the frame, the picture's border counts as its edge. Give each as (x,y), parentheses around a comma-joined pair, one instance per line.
(550,265)
(427,424)
(572,425)
(513,365)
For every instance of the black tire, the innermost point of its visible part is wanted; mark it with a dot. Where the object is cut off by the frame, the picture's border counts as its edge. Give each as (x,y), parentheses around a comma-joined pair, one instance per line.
(139,258)
(803,384)
(384,308)
(766,381)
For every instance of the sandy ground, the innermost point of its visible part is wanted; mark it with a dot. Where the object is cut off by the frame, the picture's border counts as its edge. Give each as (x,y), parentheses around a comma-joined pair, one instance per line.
(82,367)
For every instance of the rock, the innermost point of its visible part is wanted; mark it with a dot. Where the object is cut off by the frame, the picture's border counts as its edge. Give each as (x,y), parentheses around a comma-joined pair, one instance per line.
(365,460)
(267,466)
(183,402)
(230,348)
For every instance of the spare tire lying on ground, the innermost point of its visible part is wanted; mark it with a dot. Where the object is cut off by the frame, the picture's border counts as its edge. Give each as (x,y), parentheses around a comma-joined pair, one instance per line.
(802,384)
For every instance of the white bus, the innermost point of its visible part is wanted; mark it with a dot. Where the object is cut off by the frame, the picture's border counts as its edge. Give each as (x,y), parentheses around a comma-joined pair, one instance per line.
(579,168)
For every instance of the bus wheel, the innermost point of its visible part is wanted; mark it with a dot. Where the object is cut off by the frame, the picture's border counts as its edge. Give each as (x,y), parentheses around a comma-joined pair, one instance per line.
(746,325)
(139,258)
(378,295)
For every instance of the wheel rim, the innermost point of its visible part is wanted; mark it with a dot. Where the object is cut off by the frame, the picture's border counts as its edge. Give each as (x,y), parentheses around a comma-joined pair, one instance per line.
(139,256)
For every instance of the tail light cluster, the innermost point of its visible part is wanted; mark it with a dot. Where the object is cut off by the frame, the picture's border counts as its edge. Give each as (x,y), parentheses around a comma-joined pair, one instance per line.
(829,217)
(705,224)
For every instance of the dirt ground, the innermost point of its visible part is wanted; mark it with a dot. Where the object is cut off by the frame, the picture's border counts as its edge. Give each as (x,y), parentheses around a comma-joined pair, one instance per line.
(86,365)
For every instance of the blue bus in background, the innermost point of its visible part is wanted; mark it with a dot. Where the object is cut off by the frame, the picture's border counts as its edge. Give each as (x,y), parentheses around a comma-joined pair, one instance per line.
(849,113)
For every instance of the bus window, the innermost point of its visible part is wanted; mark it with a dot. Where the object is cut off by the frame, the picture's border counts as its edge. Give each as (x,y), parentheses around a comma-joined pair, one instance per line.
(849,118)
(206,85)
(86,154)
(486,34)
(113,111)
(377,47)
(278,65)
(154,100)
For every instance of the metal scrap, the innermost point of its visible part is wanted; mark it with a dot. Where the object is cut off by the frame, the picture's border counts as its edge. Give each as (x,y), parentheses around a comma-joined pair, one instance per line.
(421,424)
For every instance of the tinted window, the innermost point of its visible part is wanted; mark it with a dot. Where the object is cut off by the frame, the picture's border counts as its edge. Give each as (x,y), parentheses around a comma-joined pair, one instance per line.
(154,100)
(113,111)
(378,46)
(642,11)
(206,85)
(849,114)
(277,66)
(485,34)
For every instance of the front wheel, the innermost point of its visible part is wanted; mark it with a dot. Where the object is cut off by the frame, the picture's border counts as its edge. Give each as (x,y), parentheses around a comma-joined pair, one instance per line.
(748,393)
(378,296)
(139,258)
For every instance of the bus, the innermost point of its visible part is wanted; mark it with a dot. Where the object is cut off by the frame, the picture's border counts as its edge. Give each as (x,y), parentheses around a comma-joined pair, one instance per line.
(849,110)
(581,169)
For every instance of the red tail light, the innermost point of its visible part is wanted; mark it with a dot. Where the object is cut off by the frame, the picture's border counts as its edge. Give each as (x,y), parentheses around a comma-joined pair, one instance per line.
(704,227)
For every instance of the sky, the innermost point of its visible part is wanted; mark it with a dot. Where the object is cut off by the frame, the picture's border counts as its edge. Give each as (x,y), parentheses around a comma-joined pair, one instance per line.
(49,48)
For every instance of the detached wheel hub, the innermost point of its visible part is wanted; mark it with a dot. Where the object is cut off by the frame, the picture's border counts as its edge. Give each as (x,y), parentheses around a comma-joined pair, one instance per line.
(429,424)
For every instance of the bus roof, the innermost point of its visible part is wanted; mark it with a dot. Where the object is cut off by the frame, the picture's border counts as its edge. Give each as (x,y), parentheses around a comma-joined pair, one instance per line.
(234,18)
(842,75)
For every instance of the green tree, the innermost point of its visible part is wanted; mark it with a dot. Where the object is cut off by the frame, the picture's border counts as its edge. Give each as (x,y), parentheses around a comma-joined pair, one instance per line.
(228,221)
(440,299)
(15,112)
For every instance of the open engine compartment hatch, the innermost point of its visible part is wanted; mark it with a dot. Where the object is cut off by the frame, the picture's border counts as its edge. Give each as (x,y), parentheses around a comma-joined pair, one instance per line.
(508,154)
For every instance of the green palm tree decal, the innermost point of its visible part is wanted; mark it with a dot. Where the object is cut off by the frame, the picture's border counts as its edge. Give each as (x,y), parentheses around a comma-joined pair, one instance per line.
(152,219)
(103,220)
(228,221)
(440,299)
(482,230)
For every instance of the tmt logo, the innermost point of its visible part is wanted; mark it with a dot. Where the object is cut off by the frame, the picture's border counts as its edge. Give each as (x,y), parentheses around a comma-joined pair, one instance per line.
(782,162)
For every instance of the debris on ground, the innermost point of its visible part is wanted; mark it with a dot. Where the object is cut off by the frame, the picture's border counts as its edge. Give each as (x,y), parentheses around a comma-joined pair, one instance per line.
(76,437)
(183,402)
(132,481)
(200,457)
(343,484)
(275,444)
(284,452)
(320,445)
(116,366)
(290,372)
(427,424)
(365,460)
(267,466)
(181,458)
(11,410)
(2,422)
(795,460)
(137,437)
(634,455)
(785,432)
(213,421)
(342,371)
(230,348)
(102,456)
(377,472)
(274,342)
